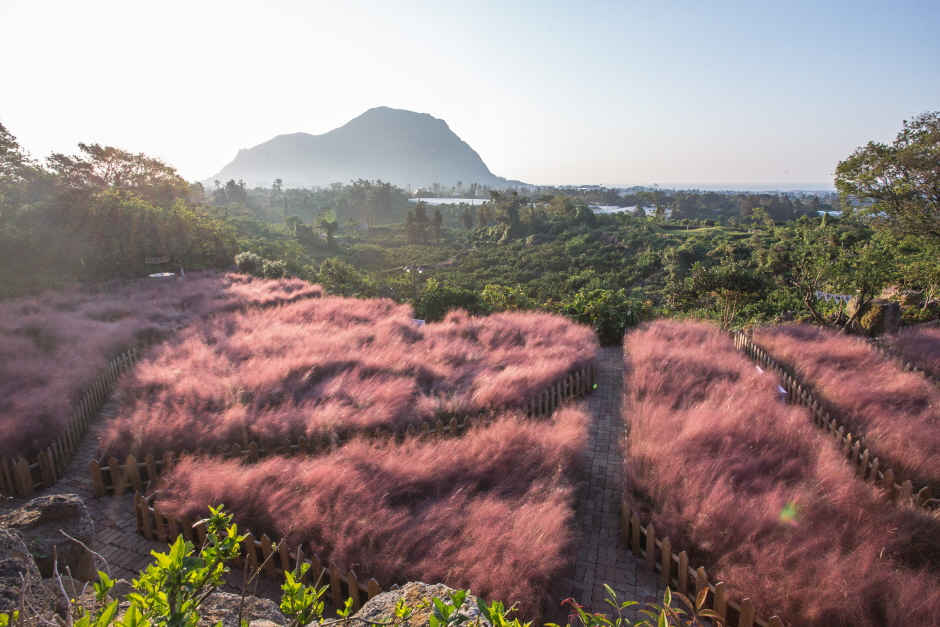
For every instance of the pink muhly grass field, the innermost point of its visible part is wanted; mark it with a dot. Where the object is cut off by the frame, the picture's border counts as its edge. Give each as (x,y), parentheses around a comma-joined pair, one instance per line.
(39,387)
(896,412)
(490,511)
(759,496)
(336,365)
(920,347)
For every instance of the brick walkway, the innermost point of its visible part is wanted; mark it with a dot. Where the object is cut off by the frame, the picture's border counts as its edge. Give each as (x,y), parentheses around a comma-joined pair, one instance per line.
(601,559)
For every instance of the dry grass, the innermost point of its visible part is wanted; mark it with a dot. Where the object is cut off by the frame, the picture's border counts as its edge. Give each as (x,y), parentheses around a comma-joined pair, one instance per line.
(760,496)
(921,348)
(52,346)
(491,511)
(897,412)
(336,365)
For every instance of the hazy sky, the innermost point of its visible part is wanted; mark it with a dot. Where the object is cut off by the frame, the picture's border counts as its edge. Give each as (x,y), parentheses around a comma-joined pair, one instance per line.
(580,92)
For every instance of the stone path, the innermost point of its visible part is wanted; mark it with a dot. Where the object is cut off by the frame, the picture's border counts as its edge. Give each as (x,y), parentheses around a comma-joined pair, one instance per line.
(601,558)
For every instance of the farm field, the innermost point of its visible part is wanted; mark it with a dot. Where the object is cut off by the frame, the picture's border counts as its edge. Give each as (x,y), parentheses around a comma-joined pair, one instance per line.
(335,365)
(759,496)
(896,412)
(52,346)
(491,511)
(919,347)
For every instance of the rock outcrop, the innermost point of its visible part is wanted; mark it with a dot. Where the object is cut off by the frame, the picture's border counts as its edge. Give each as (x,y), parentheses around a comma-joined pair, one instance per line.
(877,317)
(40,521)
(416,595)
(16,565)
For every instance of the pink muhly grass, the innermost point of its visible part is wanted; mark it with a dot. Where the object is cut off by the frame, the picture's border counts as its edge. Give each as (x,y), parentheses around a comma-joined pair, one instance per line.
(920,347)
(54,345)
(336,365)
(759,496)
(491,511)
(896,412)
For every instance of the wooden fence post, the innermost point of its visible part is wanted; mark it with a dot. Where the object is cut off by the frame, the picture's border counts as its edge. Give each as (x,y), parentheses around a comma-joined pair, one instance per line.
(335,590)
(635,531)
(665,567)
(352,582)
(683,586)
(721,600)
(746,614)
(24,477)
(624,523)
(650,547)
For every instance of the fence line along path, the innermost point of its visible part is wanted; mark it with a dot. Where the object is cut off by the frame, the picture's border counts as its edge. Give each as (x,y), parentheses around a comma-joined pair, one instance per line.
(602,558)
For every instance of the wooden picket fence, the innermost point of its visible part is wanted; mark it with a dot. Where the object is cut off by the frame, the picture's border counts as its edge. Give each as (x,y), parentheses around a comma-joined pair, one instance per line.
(892,355)
(852,445)
(134,474)
(674,569)
(259,553)
(23,477)
(917,327)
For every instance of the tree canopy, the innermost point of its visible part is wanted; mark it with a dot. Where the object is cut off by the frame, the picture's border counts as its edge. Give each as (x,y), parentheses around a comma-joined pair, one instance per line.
(898,186)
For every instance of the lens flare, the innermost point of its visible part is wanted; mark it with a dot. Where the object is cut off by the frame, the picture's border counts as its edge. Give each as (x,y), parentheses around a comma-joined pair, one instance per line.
(789,515)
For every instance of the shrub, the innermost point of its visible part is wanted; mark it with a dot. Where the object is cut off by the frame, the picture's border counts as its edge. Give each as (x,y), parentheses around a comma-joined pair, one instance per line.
(761,497)
(273,269)
(610,313)
(248,262)
(440,298)
(895,411)
(505,298)
(336,365)
(490,511)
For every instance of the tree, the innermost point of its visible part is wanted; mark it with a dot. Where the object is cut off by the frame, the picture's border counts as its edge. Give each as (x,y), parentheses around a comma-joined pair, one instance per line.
(328,224)
(14,162)
(466,219)
(437,223)
(358,194)
(417,223)
(898,185)
(100,167)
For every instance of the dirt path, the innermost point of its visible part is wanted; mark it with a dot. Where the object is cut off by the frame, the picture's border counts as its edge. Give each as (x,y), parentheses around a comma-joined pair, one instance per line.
(601,559)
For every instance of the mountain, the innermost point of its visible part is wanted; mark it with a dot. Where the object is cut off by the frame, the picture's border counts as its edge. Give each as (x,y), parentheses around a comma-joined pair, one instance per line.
(394,145)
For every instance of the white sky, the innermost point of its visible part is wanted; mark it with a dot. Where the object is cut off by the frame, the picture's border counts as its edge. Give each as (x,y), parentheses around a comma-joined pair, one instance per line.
(579,92)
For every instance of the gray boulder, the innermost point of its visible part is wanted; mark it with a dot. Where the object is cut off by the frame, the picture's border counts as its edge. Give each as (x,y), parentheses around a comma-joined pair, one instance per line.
(382,606)
(15,566)
(877,317)
(40,522)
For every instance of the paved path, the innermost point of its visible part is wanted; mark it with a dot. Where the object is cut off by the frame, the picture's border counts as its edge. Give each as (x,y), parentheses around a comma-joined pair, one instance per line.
(601,559)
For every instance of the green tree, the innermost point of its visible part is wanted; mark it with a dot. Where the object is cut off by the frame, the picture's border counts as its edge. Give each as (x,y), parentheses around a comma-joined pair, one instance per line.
(898,185)
(466,219)
(326,222)
(437,224)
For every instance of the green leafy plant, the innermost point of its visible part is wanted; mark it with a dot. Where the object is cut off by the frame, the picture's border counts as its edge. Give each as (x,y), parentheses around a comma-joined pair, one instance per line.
(273,269)
(609,312)
(248,262)
(301,603)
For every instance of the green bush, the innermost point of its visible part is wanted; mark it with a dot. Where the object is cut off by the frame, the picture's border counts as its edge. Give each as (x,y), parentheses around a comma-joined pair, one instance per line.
(248,262)
(273,269)
(505,298)
(439,298)
(610,313)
